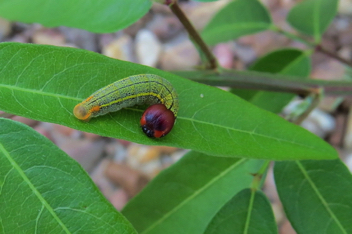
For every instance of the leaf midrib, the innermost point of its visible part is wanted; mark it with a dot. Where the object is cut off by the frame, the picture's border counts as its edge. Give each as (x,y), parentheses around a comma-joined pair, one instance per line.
(316,17)
(252,133)
(207,185)
(249,212)
(32,187)
(320,196)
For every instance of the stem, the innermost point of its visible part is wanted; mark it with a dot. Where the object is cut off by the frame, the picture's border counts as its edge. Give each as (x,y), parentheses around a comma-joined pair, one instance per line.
(321,49)
(292,36)
(257,179)
(318,48)
(175,8)
(268,82)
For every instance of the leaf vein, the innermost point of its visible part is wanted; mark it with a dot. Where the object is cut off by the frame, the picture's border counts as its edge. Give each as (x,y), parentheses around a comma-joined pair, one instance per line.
(195,194)
(320,197)
(32,187)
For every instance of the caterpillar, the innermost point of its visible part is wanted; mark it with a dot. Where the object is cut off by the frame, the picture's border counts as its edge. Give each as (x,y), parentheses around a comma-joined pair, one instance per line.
(156,121)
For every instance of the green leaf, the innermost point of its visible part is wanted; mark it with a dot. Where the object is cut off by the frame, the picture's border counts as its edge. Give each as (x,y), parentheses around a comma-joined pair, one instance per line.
(313,16)
(42,190)
(238,18)
(189,193)
(248,212)
(46,82)
(316,195)
(95,16)
(286,62)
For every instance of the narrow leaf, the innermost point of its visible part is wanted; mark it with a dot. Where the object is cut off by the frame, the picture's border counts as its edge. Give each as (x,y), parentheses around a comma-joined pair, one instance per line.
(42,190)
(189,193)
(313,16)
(238,18)
(95,16)
(248,212)
(46,82)
(317,195)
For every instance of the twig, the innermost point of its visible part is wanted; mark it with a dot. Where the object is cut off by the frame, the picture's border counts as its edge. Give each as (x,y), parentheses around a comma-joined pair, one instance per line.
(269,82)
(175,8)
(318,48)
(257,179)
(321,49)
(292,36)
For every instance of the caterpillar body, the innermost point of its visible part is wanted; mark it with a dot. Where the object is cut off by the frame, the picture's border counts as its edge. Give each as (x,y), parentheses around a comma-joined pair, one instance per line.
(141,89)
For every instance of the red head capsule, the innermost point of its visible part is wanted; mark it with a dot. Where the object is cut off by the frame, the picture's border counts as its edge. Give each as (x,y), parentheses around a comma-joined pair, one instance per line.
(157,121)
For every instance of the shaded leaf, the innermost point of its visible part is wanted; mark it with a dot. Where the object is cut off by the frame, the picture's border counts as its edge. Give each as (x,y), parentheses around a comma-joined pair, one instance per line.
(313,16)
(185,197)
(95,16)
(286,62)
(46,82)
(42,190)
(238,18)
(316,195)
(248,212)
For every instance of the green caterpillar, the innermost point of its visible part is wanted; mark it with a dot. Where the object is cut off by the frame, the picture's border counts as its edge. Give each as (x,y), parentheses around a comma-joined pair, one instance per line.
(133,90)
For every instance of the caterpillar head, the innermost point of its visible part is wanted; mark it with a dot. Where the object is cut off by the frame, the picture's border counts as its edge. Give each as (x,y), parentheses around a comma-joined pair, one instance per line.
(157,121)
